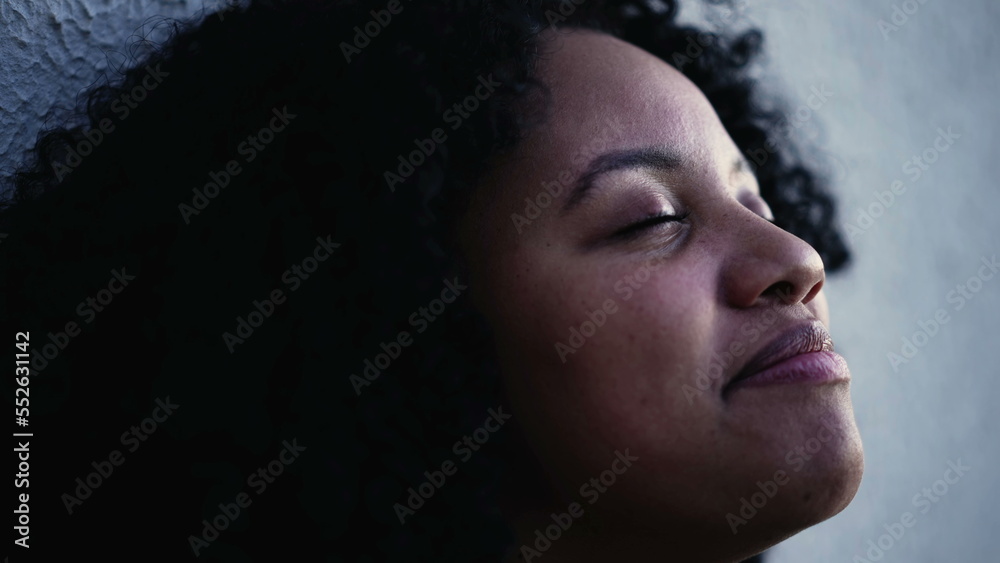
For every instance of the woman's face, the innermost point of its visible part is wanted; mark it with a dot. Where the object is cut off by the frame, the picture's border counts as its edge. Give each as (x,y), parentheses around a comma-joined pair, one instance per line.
(620,334)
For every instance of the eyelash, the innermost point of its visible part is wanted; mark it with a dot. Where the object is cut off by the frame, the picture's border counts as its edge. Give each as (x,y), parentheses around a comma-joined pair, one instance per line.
(634,230)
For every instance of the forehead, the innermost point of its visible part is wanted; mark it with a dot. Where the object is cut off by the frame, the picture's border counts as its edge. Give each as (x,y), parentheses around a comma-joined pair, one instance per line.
(609,94)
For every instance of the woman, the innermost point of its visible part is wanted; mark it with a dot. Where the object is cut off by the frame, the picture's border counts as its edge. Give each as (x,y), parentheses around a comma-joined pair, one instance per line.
(504,269)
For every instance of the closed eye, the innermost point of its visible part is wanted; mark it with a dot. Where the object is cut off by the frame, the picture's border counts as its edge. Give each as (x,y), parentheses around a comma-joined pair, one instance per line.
(635,229)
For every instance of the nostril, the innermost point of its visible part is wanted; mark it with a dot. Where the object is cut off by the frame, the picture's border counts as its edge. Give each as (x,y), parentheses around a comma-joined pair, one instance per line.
(814,291)
(784,290)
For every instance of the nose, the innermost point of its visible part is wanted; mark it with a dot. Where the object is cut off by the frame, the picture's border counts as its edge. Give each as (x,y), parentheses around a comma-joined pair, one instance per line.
(768,263)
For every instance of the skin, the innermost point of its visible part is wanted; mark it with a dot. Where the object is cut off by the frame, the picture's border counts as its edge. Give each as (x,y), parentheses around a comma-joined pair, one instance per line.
(712,279)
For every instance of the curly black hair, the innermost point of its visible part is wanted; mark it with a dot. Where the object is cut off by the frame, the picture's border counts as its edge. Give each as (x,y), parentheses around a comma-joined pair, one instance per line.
(212,170)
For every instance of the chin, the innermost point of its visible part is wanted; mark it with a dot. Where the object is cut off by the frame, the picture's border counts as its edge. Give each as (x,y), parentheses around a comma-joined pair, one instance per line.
(802,478)
(814,487)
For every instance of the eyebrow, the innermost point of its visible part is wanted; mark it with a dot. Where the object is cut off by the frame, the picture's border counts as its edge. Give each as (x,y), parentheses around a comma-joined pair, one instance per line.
(653,158)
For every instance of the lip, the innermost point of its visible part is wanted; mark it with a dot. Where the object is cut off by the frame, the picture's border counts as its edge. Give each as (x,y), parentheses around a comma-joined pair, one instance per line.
(801,354)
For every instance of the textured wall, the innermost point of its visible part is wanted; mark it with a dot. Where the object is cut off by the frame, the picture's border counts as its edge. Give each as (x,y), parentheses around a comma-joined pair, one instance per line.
(888,92)
(51,49)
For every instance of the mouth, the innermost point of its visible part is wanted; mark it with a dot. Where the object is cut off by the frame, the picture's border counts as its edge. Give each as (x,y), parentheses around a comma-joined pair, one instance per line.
(801,354)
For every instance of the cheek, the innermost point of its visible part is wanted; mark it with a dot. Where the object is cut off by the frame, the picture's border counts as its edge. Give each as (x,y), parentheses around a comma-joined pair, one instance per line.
(635,368)
(598,362)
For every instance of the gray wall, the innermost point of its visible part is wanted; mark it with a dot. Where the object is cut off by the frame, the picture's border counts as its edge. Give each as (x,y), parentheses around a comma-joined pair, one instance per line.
(890,91)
